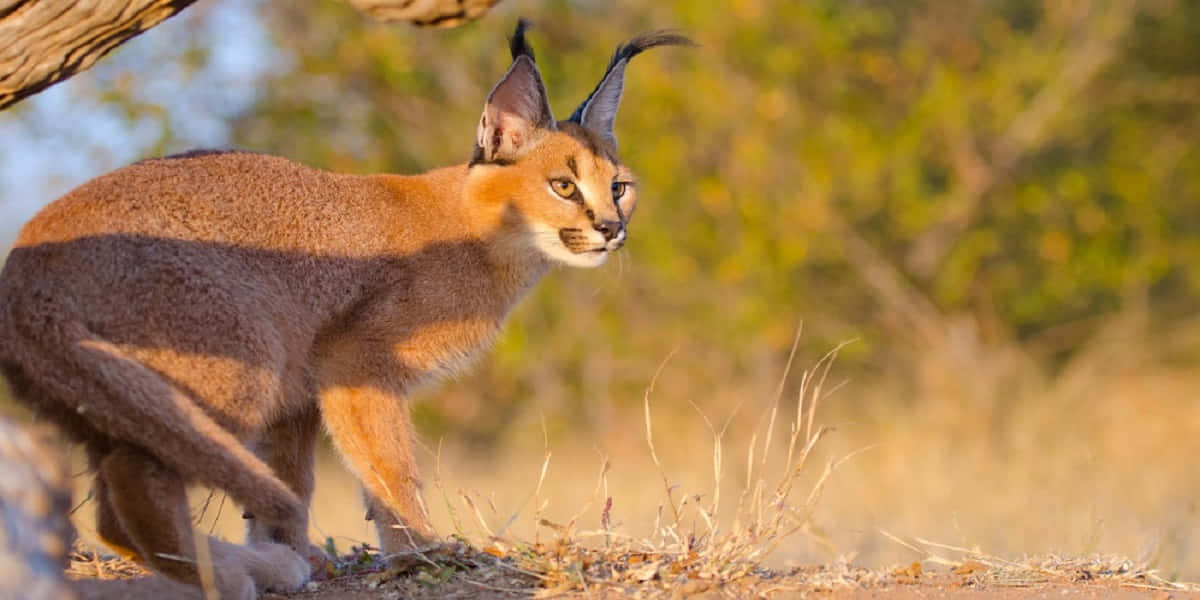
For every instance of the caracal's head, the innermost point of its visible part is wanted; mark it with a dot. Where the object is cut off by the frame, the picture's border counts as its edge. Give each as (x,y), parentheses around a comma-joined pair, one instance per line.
(560,181)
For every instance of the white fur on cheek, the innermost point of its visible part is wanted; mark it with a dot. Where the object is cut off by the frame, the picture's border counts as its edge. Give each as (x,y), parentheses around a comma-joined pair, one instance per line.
(546,240)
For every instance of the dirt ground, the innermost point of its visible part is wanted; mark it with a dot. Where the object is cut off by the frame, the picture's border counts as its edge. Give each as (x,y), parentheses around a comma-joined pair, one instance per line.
(459,571)
(781,586)
(793,585)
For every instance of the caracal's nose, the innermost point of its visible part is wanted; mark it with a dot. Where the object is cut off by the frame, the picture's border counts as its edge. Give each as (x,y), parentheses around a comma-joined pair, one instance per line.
(610,229)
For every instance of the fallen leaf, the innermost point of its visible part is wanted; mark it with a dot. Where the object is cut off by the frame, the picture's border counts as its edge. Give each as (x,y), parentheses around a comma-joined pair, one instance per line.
(910,570)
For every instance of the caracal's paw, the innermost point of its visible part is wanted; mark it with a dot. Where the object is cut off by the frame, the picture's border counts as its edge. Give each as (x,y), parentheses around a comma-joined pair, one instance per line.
(277,567)
(232,583)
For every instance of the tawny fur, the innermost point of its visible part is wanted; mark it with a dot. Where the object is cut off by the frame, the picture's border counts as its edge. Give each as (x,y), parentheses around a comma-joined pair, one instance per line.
(198,318)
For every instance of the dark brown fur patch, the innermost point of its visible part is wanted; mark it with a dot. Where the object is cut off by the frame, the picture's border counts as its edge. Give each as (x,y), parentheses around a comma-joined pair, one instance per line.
(594,143)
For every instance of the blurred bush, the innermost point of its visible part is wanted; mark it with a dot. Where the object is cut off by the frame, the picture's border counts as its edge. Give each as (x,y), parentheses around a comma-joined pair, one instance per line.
(991,185)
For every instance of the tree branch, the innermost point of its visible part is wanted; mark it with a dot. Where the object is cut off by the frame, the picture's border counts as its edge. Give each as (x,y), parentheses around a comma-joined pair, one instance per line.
(435,13)
(43,42)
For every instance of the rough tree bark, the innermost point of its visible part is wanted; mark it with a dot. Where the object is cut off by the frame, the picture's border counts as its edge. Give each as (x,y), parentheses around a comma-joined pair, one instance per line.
(43,42)
(436,13)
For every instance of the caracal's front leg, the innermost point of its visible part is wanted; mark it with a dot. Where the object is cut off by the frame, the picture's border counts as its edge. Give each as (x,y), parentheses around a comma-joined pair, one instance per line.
(369,425)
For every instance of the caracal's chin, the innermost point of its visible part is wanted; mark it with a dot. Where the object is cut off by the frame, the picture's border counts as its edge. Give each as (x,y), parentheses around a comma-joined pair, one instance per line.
(586,260)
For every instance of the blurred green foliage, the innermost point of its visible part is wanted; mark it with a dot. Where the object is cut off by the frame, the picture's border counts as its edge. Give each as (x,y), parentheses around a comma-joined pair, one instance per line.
(929,177)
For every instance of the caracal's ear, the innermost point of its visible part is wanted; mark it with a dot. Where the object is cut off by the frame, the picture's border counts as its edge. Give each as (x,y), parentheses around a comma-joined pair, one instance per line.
(599,110)
(517,110)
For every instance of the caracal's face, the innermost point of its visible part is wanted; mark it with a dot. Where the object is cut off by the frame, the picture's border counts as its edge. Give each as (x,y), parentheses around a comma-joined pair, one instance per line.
(559,183)
(574,198)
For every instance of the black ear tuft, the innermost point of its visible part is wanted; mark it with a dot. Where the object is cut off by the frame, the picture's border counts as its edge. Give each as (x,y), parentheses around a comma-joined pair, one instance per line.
(662,37)
(517,43)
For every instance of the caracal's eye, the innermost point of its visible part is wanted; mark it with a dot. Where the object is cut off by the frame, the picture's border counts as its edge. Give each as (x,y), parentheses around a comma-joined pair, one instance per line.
(563,187)
(618,189)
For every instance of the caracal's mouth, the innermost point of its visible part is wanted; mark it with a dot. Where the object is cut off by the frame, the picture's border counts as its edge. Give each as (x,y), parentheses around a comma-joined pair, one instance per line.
(616,243)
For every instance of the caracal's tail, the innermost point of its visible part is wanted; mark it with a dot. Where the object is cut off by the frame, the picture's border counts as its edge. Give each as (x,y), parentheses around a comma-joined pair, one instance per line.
(124,399)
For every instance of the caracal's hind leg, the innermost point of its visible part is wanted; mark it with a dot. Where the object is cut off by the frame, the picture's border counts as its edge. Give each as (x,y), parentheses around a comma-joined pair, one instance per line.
(371,429)
(150,503)
(108,525)
(289,447)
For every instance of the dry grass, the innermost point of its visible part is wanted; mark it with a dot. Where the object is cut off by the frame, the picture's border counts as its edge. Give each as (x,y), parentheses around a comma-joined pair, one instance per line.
(1109,472)
(985,569)
(86,562)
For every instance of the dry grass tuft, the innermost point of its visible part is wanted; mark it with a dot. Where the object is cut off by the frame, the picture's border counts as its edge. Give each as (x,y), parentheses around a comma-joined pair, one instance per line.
(688,542)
